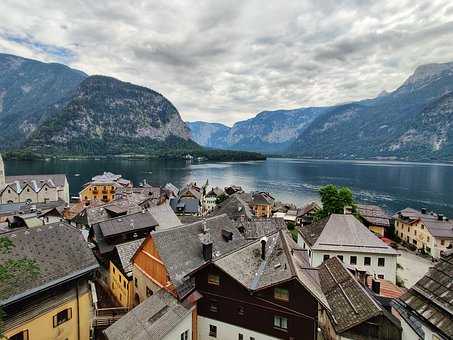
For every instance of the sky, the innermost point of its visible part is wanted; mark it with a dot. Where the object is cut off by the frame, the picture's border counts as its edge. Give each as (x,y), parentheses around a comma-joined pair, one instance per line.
(224,61)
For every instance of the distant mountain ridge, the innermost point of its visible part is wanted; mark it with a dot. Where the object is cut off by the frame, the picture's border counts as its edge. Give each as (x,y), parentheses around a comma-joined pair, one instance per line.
(412,122)
(27,88)
(268,131)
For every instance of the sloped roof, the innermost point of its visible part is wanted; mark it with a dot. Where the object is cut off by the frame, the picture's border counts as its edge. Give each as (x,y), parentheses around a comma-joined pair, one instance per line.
(263,198)
(374,215)
(350,304)
(306,209)
(437,228)
(151,320)
(259,228)
(127,223)
(284,260)
(344,233)
(180,248)
(164,215)
(99,212)
(126,251)
(59,251)
(235,207)
(35,182)
(215,192)
(431,298)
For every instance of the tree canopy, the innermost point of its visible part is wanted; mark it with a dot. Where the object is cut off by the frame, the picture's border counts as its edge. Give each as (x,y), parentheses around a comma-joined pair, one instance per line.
(334,200)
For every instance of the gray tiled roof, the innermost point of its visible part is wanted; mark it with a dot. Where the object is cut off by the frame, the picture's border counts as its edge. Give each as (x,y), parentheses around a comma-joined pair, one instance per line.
(263,198)
(125,252)
(310,233)
(349,302)
(284,260)
(374,215)
(235,207)
(308,208)
(99,213)
(187,204)
(431,298)
(59,251)
(35,181)
(180,248)
(151,320)
(262,227)
(346,233)
(127,223)
(165,216)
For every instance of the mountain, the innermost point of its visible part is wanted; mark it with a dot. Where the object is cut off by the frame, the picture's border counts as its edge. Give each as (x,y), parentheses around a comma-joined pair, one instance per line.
(27,88)
(412,122)
(268,131)
(212,135)
(106,115)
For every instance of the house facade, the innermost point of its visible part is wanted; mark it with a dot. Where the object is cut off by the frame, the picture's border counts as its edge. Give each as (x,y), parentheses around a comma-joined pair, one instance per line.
(211,198)
(56,303)
(374,218)
(104,188)
(32,188)
(430,232)
(348,239)
(262,204)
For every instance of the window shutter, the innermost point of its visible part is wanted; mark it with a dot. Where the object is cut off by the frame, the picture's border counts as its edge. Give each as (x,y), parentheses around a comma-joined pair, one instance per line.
(69,313)
(55,322)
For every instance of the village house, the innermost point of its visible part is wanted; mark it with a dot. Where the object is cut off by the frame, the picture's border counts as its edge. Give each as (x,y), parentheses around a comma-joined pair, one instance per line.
(211,198)
(347,238)
(430,232)
(32,188)
(375,219)
(262,204)
(104,188)
(236,207)
(160,317)
(189,201)
(426,310)
(56,304)
(354,312)
(306,214)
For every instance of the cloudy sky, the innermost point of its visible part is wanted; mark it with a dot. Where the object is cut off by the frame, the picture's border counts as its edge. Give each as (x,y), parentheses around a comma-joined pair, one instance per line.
(224,61)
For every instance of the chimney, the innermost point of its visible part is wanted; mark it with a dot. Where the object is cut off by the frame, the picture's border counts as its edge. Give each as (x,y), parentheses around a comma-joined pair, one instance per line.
(227,235)
(423,211)
(263,247)
(206,243)
(376,286)
(440,217)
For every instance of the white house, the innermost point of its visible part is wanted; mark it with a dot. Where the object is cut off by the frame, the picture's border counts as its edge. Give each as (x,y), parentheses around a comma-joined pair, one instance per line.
(347,238)
(210,199)
(32,188)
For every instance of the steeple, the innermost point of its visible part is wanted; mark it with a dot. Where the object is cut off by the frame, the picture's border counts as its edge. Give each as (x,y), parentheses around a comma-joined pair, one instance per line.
(2,171)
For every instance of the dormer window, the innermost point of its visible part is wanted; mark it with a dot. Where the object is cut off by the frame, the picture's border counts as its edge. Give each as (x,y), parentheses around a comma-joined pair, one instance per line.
(281,294)
(214,279)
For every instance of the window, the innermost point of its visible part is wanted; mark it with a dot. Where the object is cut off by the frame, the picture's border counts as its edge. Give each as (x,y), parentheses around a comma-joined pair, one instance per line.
(124,284)
(213,331)
(414,241)
(252,338)
(353,260)
(381,262)
(121,298)
(135,282)
(380,276)
(185,335)
(149,292)
(340,257)
(241,311)
(213,306)
(119,276)
(415,232)
(114,270)
(20,336)
(280,322)
(326,257)
(367,261)
(240,336)
(442,242)
(62,317)
(214,279)
(427,238)
(281,294)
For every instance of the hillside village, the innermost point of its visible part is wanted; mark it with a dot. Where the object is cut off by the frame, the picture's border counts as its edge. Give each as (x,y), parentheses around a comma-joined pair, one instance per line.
(153,261)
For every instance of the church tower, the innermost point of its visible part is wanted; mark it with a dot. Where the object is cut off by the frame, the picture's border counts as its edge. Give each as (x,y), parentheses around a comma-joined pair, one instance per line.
(2,171)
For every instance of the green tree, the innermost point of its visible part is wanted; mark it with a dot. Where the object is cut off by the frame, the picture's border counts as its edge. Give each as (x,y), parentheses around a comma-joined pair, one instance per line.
(334,200)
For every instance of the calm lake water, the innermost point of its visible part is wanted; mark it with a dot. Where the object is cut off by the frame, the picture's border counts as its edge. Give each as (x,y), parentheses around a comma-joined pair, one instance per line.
(393,185)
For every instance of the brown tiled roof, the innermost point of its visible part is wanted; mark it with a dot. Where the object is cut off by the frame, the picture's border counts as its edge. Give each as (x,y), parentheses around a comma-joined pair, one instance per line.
(431,298)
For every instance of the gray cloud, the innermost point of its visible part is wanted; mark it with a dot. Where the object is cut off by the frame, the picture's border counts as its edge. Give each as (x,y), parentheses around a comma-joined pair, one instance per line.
(226,60)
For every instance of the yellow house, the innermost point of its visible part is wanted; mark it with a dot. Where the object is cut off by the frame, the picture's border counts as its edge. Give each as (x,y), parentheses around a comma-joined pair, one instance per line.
(104,188)
(120,272)
(374,218)
(56,304)
(262,205)
(430,232)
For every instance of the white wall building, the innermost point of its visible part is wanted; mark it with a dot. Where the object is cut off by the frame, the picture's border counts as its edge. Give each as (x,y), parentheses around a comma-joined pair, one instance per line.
(32,188)
(347,238)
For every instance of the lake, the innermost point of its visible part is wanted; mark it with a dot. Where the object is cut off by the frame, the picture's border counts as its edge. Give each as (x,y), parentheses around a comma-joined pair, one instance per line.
(392,185)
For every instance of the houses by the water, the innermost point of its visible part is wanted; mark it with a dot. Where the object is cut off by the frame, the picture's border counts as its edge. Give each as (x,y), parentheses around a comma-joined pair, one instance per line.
(201,263)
